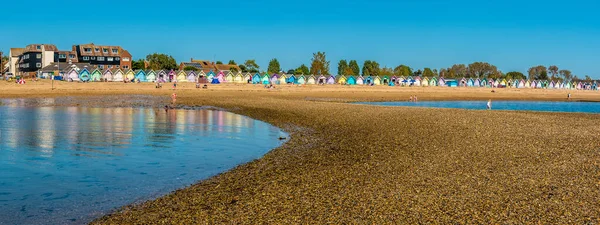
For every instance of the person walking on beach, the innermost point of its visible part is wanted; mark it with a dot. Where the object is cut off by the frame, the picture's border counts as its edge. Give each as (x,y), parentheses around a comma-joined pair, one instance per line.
(569,96)
(410,99)
(174,84)
(173,98)
(489,104)
(415,98)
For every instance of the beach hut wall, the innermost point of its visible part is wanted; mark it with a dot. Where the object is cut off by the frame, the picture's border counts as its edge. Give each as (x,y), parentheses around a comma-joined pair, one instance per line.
(161,76)
(73,75)
(283,79)
(140,75)
(301,79)
(96,75)
(192,76)
(107,75)
(433,82)
(292,79)
(377,80)
(311,80)
(84,75)
(351,80)
(181,76)
(171,76)
(368,80)
(425,82)
(360,80)
(274,79)
(441,82)
(579,85)
(385,80)
(150,76)
(239,78)
(220,76)
(502,83)
(342,80)
(539,84)
(256,78)
(118,75)
(321,79)
(551,85)
(265,79)
(331,79)
(477,83)
(470,82)
(229,77)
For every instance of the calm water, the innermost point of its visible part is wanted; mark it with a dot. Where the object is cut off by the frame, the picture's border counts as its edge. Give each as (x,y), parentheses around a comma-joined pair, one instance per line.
(70,165)
(584,107)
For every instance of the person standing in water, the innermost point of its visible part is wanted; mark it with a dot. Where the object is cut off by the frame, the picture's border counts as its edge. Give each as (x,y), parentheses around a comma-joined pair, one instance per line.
(173,98)
(569,96)
(489,104)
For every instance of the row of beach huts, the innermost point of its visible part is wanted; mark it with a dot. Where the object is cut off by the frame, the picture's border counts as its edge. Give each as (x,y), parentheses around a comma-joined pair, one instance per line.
(118,75)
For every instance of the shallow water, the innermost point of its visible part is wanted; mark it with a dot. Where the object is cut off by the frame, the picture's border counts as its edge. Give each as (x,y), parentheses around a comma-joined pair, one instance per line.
(583,107)
(68,165)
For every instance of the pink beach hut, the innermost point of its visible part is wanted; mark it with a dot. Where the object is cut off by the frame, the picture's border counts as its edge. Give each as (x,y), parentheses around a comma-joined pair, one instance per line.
(220,76)
(73,75)
(360,80)
(275,79)
(171,75)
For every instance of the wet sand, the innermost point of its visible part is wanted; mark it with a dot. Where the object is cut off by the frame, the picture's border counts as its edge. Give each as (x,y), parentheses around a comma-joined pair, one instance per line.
(348,163)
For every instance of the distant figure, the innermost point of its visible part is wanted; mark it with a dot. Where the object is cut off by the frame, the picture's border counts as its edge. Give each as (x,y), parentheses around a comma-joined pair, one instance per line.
(197,85)
(489,104)
(205,86)
(410,99)
(569,96)
(174,98)
(415,98)
(174,85)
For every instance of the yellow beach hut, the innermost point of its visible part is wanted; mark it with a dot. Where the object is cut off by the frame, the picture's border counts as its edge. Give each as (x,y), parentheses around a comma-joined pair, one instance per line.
(247,77)
(118,75)
(129,75)
(282,79)
(238,78)
(181,76)
(527,84)
(377,80)
(342,79)
(425,82)
(229,77)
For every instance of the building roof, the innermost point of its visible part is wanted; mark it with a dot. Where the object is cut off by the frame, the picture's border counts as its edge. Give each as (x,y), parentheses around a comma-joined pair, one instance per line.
(64,67)
(16,52)
(100,51)
(192,64)
(226,67)
(34,48)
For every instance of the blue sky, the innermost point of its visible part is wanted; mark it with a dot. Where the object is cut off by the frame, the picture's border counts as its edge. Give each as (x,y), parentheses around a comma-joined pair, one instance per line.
(513,35)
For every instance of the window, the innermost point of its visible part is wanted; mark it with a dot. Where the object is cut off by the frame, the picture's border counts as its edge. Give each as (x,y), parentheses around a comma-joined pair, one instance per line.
(100,58)
(117,66)
(38,47)
(71,56)
(125,67)
(115,51)
(39,56)
(117,58)
(109,66)
(26,57)
(87,49)
(126,59)
(101,66)
(86,58)
(105,50)
(93,58)
(97,49)
(110,59)
(38,65)
(62,56)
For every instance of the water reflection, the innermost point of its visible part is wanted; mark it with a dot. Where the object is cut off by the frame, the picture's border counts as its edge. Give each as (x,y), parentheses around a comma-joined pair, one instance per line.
(65,165)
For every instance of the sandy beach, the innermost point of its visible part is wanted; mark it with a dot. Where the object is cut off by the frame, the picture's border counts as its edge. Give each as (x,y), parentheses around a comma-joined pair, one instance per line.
(348,163)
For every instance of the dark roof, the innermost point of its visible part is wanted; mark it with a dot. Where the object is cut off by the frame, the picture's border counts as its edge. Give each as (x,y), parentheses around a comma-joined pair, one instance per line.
(192,64)
(64,67)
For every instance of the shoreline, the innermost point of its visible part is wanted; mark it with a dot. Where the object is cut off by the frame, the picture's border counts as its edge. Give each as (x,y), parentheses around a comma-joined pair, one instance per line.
(352,163)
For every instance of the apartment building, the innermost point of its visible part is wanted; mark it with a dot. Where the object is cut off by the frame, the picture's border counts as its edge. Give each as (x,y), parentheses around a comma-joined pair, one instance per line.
(102,56)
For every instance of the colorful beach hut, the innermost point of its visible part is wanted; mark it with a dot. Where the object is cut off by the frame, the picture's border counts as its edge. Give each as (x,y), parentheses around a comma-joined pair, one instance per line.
(140,75)
(215,80)
(342,80)
(220,76)
(247,78)
(192,76)
(181,76)
(470,82)
(433,82)
(477,83)
(351,80)
(291,79)
(238,78)
(265,79)
(256,79)
(551,84)
(376,80)
(368,80)
(502,83)
(283,78)
(539,84)
(210,76)
(150,76)
(360,80)
(425,82)
(129,75)
(118,75)
(84,75)
(385,80)
(274,79)
(107,75)
(301,79)
(579,84)
(229,77)
(96,75)
(331,79)
(73,75)
(441,82)
(311,80)
(321,79)
(418,81)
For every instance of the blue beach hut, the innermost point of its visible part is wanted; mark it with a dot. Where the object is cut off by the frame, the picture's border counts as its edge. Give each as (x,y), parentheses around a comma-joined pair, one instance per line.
(292,79)
(84,75)
(140,75)
(368,80)
(256,78)
(351,80)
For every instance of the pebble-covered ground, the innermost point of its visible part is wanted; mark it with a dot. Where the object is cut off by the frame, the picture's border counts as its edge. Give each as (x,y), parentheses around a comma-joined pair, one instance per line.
(347,163)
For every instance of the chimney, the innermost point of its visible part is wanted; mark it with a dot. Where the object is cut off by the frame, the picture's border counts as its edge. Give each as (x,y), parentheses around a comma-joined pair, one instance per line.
(191,59)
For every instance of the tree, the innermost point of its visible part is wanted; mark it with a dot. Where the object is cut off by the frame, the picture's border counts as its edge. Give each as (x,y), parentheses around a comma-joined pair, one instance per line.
(538,73)
(427,72)
(273,66)
(219,63)
(303,69)
(386,71)
(418,73)
(251,66)
(566,74)
(291,72)
(402,70)
(161,62)
(190,68)
(342,67)
(138,64)
(457,70)
(370,68)
(243,68)
(231,62)
(588,78)
(353,65)
(515,75)
(233,69)
(553,70)
(435,72)
(319,64)
(443,72)
(479,70)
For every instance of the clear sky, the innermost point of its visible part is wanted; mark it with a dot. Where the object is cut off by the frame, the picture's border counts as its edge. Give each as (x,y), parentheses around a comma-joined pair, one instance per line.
(513,35)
